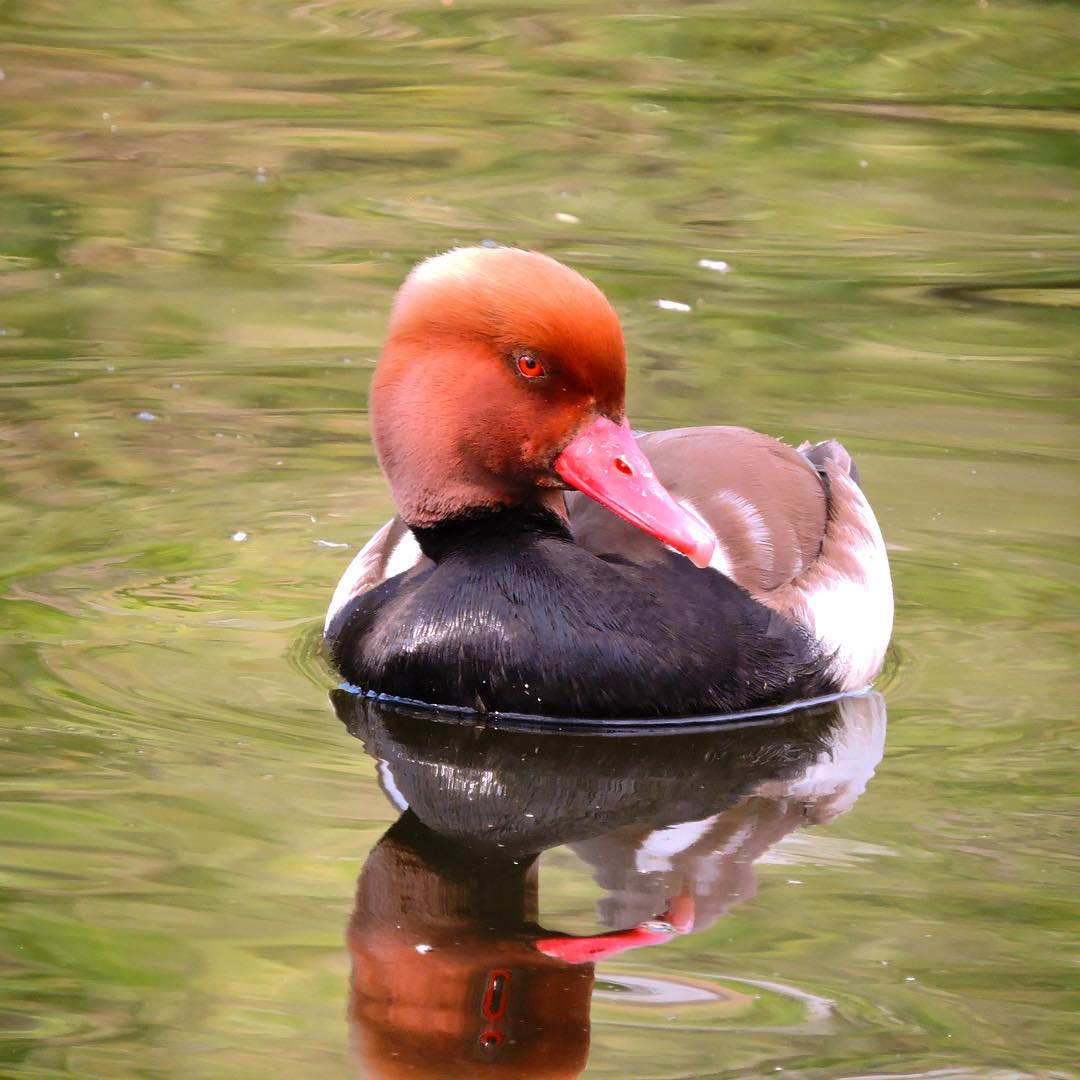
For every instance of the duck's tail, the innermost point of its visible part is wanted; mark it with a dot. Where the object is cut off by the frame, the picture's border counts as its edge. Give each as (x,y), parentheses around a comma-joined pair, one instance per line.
(830,452)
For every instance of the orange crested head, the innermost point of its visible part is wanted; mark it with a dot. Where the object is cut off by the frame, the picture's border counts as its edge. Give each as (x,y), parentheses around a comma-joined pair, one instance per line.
(494,359)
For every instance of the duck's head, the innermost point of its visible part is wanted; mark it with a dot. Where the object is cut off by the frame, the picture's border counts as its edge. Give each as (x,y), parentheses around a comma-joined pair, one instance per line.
(502,383)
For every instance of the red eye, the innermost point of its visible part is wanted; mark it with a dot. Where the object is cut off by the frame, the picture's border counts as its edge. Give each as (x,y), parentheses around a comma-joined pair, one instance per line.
(529,366)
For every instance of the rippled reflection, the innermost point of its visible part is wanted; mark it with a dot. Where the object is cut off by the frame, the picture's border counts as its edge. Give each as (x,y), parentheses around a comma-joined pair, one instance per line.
(450,966)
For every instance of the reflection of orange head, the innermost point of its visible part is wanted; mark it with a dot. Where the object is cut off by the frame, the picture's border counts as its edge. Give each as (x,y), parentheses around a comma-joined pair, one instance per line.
(445,980)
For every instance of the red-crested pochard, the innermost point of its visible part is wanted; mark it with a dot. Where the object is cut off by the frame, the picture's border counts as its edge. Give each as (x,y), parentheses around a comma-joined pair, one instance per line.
(536,562)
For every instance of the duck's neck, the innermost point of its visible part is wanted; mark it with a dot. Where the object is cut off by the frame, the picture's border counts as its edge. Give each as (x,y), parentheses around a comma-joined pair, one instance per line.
(481,527)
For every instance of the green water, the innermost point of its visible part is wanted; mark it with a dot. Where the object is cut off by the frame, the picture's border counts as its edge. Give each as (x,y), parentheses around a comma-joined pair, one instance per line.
(205,209)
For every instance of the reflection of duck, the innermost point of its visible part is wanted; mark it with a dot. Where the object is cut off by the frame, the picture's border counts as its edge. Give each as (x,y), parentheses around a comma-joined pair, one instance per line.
(451,969)
(502,384)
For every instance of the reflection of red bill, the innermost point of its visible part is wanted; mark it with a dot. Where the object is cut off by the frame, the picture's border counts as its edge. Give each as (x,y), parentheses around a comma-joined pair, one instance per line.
(678,919)
(605,462)
(588,950)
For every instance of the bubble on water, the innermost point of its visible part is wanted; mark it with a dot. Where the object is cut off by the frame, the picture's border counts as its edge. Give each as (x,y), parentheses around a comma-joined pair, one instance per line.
(239,537)
(424,949)
(718,265)
(145,415)
(672,305)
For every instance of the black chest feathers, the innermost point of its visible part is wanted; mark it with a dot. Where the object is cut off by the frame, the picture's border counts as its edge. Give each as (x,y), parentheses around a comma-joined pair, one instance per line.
(515,617)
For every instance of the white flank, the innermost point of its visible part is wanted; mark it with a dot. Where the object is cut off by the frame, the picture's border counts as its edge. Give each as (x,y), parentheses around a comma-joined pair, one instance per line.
(853,618)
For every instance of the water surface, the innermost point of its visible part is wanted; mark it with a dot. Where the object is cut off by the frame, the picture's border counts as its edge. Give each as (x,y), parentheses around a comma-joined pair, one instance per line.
(865,220)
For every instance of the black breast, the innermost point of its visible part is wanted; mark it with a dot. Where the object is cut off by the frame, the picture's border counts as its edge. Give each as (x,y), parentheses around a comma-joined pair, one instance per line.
(515,617)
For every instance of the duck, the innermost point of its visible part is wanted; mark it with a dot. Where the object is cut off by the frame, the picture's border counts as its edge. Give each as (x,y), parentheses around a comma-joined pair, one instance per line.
(547,560)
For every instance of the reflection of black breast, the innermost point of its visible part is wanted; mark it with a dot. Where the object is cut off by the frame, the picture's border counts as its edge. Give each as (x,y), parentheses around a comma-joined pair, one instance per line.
(528,791)
(515,617)
(414,874)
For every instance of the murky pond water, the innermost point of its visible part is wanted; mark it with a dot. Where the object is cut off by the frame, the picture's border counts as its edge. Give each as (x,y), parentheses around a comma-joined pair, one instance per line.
(867,219)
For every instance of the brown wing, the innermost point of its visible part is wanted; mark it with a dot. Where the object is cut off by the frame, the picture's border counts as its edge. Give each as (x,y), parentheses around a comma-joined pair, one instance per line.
(762,498)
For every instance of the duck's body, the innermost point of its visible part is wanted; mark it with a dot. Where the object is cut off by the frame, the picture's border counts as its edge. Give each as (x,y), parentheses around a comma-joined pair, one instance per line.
(519,601)
(512,614)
